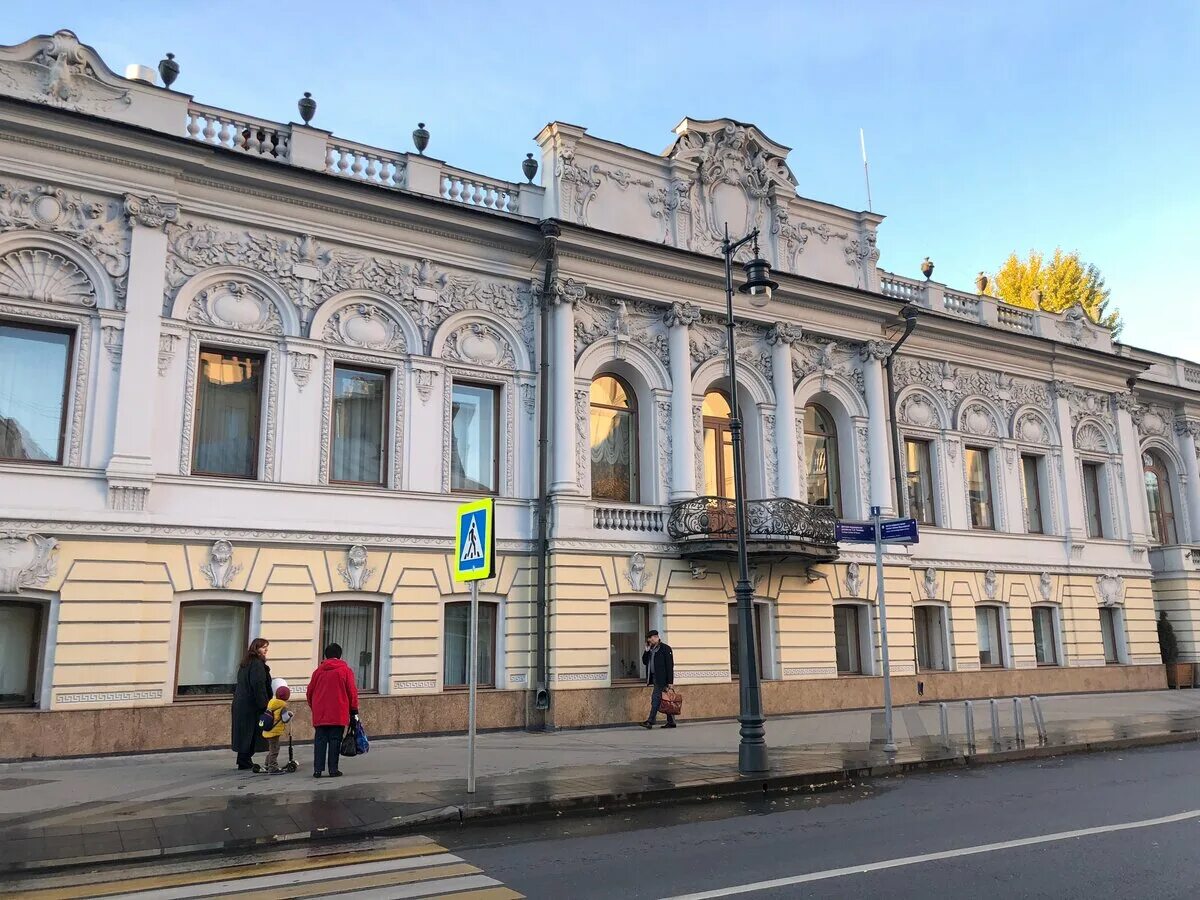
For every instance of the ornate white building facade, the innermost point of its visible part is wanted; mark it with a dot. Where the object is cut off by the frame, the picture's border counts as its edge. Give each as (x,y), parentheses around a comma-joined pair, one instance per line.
(248,369)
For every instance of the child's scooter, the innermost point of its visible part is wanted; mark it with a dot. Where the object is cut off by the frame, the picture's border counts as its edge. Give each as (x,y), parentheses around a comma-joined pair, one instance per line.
(290,766)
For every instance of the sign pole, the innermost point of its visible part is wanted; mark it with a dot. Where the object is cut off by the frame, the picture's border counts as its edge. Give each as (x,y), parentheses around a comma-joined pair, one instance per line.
(473,684)
(881,602)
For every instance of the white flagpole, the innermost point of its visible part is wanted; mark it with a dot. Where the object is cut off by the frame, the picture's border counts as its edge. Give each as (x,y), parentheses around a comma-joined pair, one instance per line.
(862,140)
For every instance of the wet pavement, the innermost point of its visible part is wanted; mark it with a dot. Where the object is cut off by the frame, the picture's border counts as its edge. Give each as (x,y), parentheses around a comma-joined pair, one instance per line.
(180,803)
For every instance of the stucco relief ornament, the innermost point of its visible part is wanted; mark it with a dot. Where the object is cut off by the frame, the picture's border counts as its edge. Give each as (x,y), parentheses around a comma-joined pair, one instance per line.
(302,367)
(931,584)
(976,419)
(990,585)
(577,182)
(1108,589)
(480,344)
(220,567)
(423,378)
(529,399)
(853,579)
(43,276)
(1045,586)
(681,314)
(1074,325)
(354,570)
(26,561)
(237,306)
(784,333)
(791,238)
(876,350)
(636,574)
(62,71)
(166,351)
(150,211)
(365,325)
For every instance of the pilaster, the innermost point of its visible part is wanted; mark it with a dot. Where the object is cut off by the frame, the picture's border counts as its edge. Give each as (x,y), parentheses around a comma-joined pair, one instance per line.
(781,337)
(1070,488)
(564,296)
(1186,432)
(679,318)
(874,352)
(130,470)
(1137,517)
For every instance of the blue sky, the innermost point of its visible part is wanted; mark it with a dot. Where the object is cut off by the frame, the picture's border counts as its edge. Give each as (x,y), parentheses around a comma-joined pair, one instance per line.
(990,127)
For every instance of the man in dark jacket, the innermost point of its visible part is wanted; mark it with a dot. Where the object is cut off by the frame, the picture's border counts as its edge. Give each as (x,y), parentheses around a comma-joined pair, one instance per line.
(333,699)
(660,675)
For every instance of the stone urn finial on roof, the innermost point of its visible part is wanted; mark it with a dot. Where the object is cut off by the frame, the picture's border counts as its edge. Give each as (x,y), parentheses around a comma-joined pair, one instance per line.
(420,138)
(168,70)
(981,283)
(927,268)
(307,106)
(529,166)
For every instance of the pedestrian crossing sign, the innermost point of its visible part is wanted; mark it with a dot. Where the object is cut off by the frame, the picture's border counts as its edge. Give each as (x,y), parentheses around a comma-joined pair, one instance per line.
(475,541)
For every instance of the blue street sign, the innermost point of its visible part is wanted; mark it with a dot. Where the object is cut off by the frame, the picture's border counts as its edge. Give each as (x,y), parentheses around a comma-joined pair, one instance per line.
(855,532)
(899,531)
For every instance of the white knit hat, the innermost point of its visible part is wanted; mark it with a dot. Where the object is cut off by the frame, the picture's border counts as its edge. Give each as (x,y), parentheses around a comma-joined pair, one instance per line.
(276,684)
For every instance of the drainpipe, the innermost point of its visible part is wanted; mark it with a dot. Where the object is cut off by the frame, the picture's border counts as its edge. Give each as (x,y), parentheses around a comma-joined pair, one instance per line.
(550,234)
(910,323)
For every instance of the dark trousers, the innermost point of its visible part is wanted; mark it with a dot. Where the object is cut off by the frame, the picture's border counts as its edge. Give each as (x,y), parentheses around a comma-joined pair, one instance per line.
(245,760)
(327,744)
(655,702)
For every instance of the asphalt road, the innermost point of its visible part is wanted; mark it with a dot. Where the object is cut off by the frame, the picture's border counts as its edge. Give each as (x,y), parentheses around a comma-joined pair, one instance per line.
(711,848)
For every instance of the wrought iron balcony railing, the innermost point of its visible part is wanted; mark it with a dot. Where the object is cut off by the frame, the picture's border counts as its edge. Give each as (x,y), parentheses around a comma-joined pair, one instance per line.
(779,522)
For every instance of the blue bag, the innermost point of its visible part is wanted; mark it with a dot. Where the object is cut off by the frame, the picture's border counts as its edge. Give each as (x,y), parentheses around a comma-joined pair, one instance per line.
(360,738)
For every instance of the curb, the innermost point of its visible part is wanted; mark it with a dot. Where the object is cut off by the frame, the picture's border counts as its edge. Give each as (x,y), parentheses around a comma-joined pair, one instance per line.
(517,810)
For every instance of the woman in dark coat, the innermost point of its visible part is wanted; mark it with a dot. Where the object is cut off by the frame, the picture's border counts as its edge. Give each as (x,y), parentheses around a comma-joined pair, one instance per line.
(250,699)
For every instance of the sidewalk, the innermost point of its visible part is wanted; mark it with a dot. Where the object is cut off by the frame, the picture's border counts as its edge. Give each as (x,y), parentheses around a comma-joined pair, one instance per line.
(64,812)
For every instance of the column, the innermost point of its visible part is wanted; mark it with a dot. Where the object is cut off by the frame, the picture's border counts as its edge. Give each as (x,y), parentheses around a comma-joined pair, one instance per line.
(874,352)
(130,471)
(781,338)
(1071,489)
(1186,432)
(1137,514)
(562,380)
(683,444)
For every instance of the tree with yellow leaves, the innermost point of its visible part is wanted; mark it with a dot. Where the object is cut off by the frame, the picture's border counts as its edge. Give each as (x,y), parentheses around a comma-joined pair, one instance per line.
(1055,286)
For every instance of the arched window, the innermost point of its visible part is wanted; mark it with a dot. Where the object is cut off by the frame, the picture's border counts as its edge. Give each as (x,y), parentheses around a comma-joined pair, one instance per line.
(614,440)
(718,445)
(1158,498)
(821,458)
(354,625)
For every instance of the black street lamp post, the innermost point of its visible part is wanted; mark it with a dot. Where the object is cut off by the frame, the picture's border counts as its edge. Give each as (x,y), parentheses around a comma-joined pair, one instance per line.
(752,750)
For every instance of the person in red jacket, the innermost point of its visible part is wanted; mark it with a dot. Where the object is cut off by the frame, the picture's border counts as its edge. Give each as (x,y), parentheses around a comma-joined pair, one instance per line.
(333,699)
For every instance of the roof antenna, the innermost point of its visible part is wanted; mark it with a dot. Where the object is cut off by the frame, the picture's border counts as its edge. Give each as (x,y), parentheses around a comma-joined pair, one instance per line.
(862,140)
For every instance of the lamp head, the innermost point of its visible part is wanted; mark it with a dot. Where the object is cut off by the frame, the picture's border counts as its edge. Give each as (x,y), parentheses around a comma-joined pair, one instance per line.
(758,285)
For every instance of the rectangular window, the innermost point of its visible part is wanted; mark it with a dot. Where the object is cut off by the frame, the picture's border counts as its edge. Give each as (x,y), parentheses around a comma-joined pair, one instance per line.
(1109,635)
(34,367)
(212,639)
(20,652)
(735,638)
(628,624)
(979,487)
(987,624)
(359,426)
(847,639)
(458,620)
(1091,499)
(931,638)
(474,439)
(1031,474)
(355,627)
(1045,640)
(920,481)
(228,412)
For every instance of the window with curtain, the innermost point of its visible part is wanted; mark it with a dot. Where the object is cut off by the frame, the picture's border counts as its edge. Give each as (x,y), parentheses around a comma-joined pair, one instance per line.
(979,487)
(760,628)
(34,369)
(919,481)
(458,620)
(1110,634)
(212,639)
(1031,493)
(847,638)
(359,426)
(1045,636)
(474,438)
(718,446)
(614,440)
(821,458)
(1092,480)
(1158,498)
(628,624)
(20,652)
(355,627)
(930,625)
(987,627)
(228,414)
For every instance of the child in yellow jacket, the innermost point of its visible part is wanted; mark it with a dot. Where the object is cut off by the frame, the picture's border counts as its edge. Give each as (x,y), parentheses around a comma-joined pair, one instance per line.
(278,708)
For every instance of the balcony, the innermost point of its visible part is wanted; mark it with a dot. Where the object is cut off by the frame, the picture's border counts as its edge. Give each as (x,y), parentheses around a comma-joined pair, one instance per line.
(776,530)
